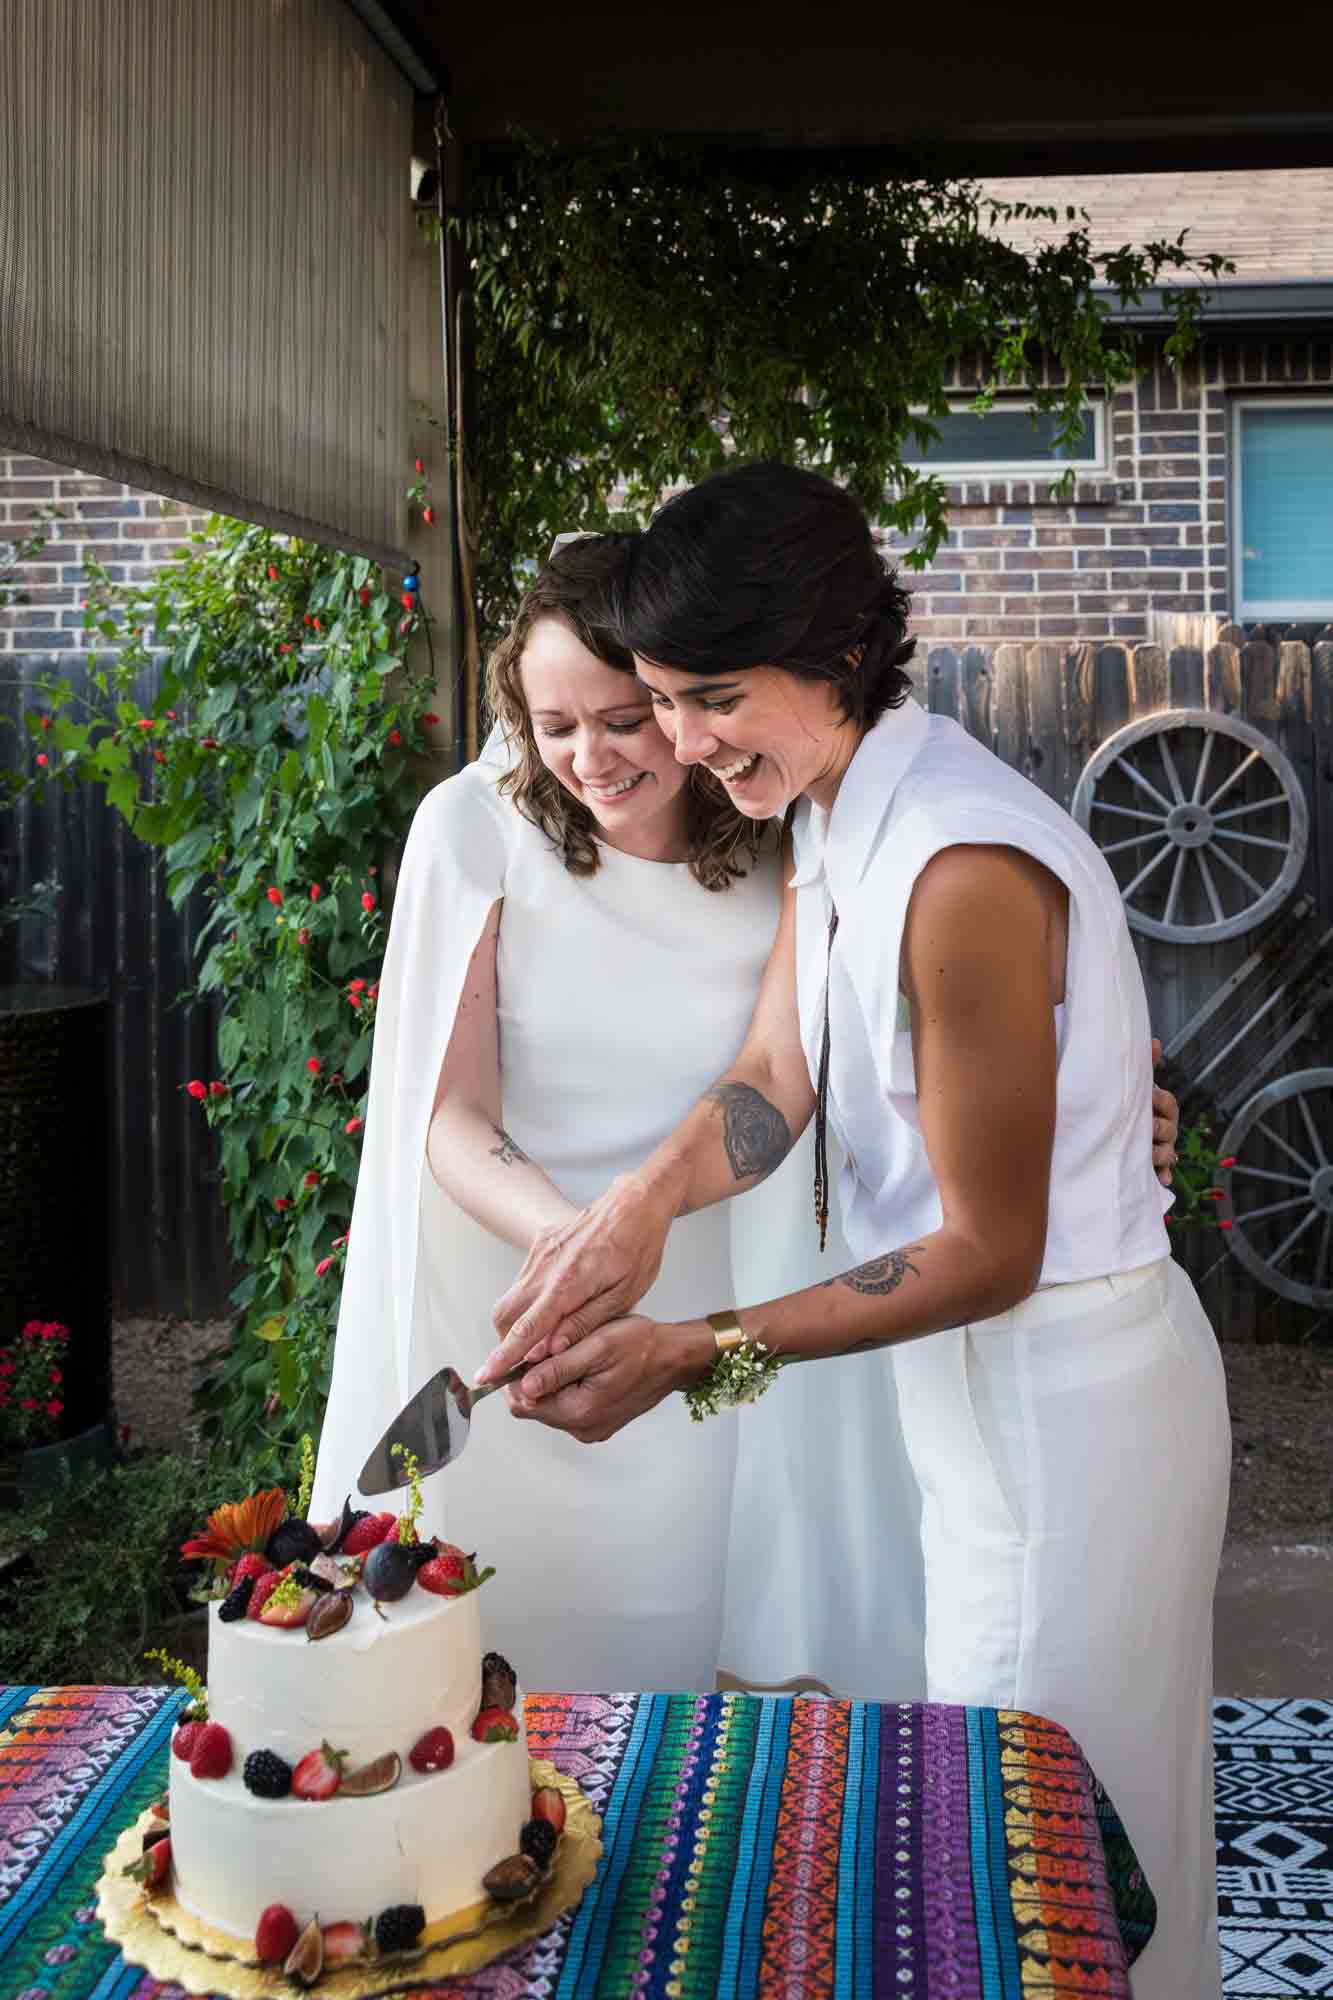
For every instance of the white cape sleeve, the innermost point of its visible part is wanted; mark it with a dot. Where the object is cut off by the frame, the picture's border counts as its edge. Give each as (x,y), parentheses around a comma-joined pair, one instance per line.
(453,871)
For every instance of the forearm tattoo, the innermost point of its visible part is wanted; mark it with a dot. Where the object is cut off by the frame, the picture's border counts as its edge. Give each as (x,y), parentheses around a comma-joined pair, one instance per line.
(881,1274)
(507,1152)
(754,1132)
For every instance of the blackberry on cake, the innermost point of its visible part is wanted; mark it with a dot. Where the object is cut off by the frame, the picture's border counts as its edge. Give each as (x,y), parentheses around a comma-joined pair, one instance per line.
(399,1928)
(268,1777)
(539,1840)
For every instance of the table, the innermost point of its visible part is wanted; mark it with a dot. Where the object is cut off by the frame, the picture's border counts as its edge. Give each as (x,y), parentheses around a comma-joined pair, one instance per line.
(753,1846)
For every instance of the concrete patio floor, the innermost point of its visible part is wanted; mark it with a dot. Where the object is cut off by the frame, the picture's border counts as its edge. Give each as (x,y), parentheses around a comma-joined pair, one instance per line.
(1273,1620)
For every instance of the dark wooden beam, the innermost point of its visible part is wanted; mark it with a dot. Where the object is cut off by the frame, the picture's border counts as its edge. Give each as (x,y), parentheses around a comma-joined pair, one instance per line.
(987,91)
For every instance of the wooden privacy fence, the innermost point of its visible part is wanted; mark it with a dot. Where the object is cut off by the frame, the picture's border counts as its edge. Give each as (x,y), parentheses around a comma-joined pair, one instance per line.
(1228,990)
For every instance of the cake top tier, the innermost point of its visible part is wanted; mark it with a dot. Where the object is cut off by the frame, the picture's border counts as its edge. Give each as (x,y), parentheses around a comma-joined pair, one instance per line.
(378,1683)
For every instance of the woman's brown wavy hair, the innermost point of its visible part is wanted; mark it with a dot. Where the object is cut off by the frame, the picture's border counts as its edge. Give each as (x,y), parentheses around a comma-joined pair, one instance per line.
(577,586)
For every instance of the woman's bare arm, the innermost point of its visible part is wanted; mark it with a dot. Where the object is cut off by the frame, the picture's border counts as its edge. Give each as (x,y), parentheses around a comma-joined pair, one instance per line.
(468,1151)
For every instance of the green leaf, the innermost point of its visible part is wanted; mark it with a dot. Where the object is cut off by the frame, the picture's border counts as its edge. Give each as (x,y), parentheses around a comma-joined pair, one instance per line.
(191,848)
(288,1373)
(122,792)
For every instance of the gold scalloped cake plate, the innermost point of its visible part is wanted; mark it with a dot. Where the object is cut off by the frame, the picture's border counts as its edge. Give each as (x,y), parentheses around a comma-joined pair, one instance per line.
(173,1945)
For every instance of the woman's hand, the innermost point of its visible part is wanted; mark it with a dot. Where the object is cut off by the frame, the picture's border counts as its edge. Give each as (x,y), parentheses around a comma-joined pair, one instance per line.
(577,1277)
(626,1367)
(1165,1124)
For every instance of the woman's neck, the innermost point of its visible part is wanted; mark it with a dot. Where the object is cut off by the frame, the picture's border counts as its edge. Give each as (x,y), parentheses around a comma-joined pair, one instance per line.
(665,837)
(823,789)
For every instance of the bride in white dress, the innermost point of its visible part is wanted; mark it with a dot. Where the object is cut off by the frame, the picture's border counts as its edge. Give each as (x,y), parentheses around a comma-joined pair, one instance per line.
(559,987)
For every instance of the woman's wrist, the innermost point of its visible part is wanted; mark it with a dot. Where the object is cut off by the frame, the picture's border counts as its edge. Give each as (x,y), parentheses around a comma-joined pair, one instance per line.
(690,1347)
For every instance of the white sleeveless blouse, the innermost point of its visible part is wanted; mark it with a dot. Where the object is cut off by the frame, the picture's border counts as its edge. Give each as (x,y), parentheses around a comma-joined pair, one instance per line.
(918,784)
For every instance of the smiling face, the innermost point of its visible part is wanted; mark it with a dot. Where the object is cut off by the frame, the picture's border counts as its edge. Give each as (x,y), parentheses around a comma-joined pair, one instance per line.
(595,733)
(768,735)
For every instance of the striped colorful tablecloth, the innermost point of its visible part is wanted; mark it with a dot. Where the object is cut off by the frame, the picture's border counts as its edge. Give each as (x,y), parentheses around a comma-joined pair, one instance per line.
(754,1846)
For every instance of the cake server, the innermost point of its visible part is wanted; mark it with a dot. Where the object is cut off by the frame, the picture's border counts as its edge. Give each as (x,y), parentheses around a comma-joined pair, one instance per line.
(434,1427)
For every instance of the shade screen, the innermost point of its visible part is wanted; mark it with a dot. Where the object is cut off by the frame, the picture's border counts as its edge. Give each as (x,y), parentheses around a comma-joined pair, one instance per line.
(204,216)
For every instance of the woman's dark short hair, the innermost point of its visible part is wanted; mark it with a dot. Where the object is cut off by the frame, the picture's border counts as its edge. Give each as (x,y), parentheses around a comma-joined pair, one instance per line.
(767,566)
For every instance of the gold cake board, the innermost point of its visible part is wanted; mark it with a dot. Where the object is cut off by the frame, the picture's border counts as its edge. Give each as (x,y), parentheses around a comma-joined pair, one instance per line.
(171,1944)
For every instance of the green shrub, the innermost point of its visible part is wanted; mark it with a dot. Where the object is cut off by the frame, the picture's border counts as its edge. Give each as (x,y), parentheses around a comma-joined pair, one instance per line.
(273,768)
(95,1574)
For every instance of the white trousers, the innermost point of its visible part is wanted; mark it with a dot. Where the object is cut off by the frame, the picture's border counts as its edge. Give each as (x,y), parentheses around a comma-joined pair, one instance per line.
(1074,1458)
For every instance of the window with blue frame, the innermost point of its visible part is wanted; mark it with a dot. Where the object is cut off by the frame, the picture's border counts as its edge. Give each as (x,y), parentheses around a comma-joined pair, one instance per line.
(1282,506)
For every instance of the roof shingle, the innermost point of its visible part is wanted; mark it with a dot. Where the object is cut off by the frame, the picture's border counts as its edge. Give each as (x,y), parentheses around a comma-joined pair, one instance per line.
(1273,224)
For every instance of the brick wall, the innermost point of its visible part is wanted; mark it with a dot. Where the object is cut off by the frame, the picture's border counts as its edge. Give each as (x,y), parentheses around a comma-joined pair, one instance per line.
(132,533)
(1149,536)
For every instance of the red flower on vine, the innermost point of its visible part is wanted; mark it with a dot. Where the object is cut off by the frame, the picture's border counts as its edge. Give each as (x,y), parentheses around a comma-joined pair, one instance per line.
(354,1125)
(197,1089)
(367,902)
(274,895)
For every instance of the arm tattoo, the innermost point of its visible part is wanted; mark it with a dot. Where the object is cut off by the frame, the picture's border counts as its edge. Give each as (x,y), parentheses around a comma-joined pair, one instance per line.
(754,1132)
(507,1152)
(881,1274)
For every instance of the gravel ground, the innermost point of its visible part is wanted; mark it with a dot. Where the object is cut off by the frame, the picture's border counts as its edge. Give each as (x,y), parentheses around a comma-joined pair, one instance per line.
(1281,1412)
(153,1367)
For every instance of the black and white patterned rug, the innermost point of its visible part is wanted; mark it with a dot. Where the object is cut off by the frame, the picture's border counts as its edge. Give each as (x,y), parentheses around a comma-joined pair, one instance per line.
(1275,1846)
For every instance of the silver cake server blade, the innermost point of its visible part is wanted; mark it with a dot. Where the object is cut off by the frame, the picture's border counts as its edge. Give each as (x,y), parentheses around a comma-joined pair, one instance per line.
(434,1427)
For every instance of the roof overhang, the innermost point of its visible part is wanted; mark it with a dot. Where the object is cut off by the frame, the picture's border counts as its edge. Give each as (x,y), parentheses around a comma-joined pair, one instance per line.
(1041,89)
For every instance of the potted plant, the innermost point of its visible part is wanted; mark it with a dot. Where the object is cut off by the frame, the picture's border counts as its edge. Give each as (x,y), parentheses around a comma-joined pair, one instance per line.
(33,1396)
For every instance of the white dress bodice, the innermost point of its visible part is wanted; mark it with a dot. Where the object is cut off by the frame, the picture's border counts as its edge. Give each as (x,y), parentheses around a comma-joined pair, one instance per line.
(918,784)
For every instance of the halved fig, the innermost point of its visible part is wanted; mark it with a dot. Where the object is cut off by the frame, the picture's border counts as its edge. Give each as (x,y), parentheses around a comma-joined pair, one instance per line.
(381,1775)
(512,1879)
(305,1960)
(329,1614)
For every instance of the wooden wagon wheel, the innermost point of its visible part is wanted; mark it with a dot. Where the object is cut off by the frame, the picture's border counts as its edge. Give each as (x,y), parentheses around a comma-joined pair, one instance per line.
(1278,1196)
(1202,819)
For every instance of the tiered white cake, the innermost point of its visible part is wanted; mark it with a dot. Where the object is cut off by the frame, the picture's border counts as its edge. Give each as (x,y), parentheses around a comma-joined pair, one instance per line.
(393,1673)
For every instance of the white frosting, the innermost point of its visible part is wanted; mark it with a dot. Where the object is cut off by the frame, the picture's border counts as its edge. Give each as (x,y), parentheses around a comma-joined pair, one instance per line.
(377,1685)
(428,1841)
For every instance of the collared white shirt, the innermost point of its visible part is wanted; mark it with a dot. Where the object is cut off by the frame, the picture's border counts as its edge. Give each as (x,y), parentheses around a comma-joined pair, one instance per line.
(917,784)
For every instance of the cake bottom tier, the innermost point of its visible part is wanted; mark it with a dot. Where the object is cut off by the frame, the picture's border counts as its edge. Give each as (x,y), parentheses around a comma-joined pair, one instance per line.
(429,1841)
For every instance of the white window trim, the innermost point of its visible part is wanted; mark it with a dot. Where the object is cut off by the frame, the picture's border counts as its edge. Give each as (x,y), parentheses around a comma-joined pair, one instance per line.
(1095,467)
(1252,608)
